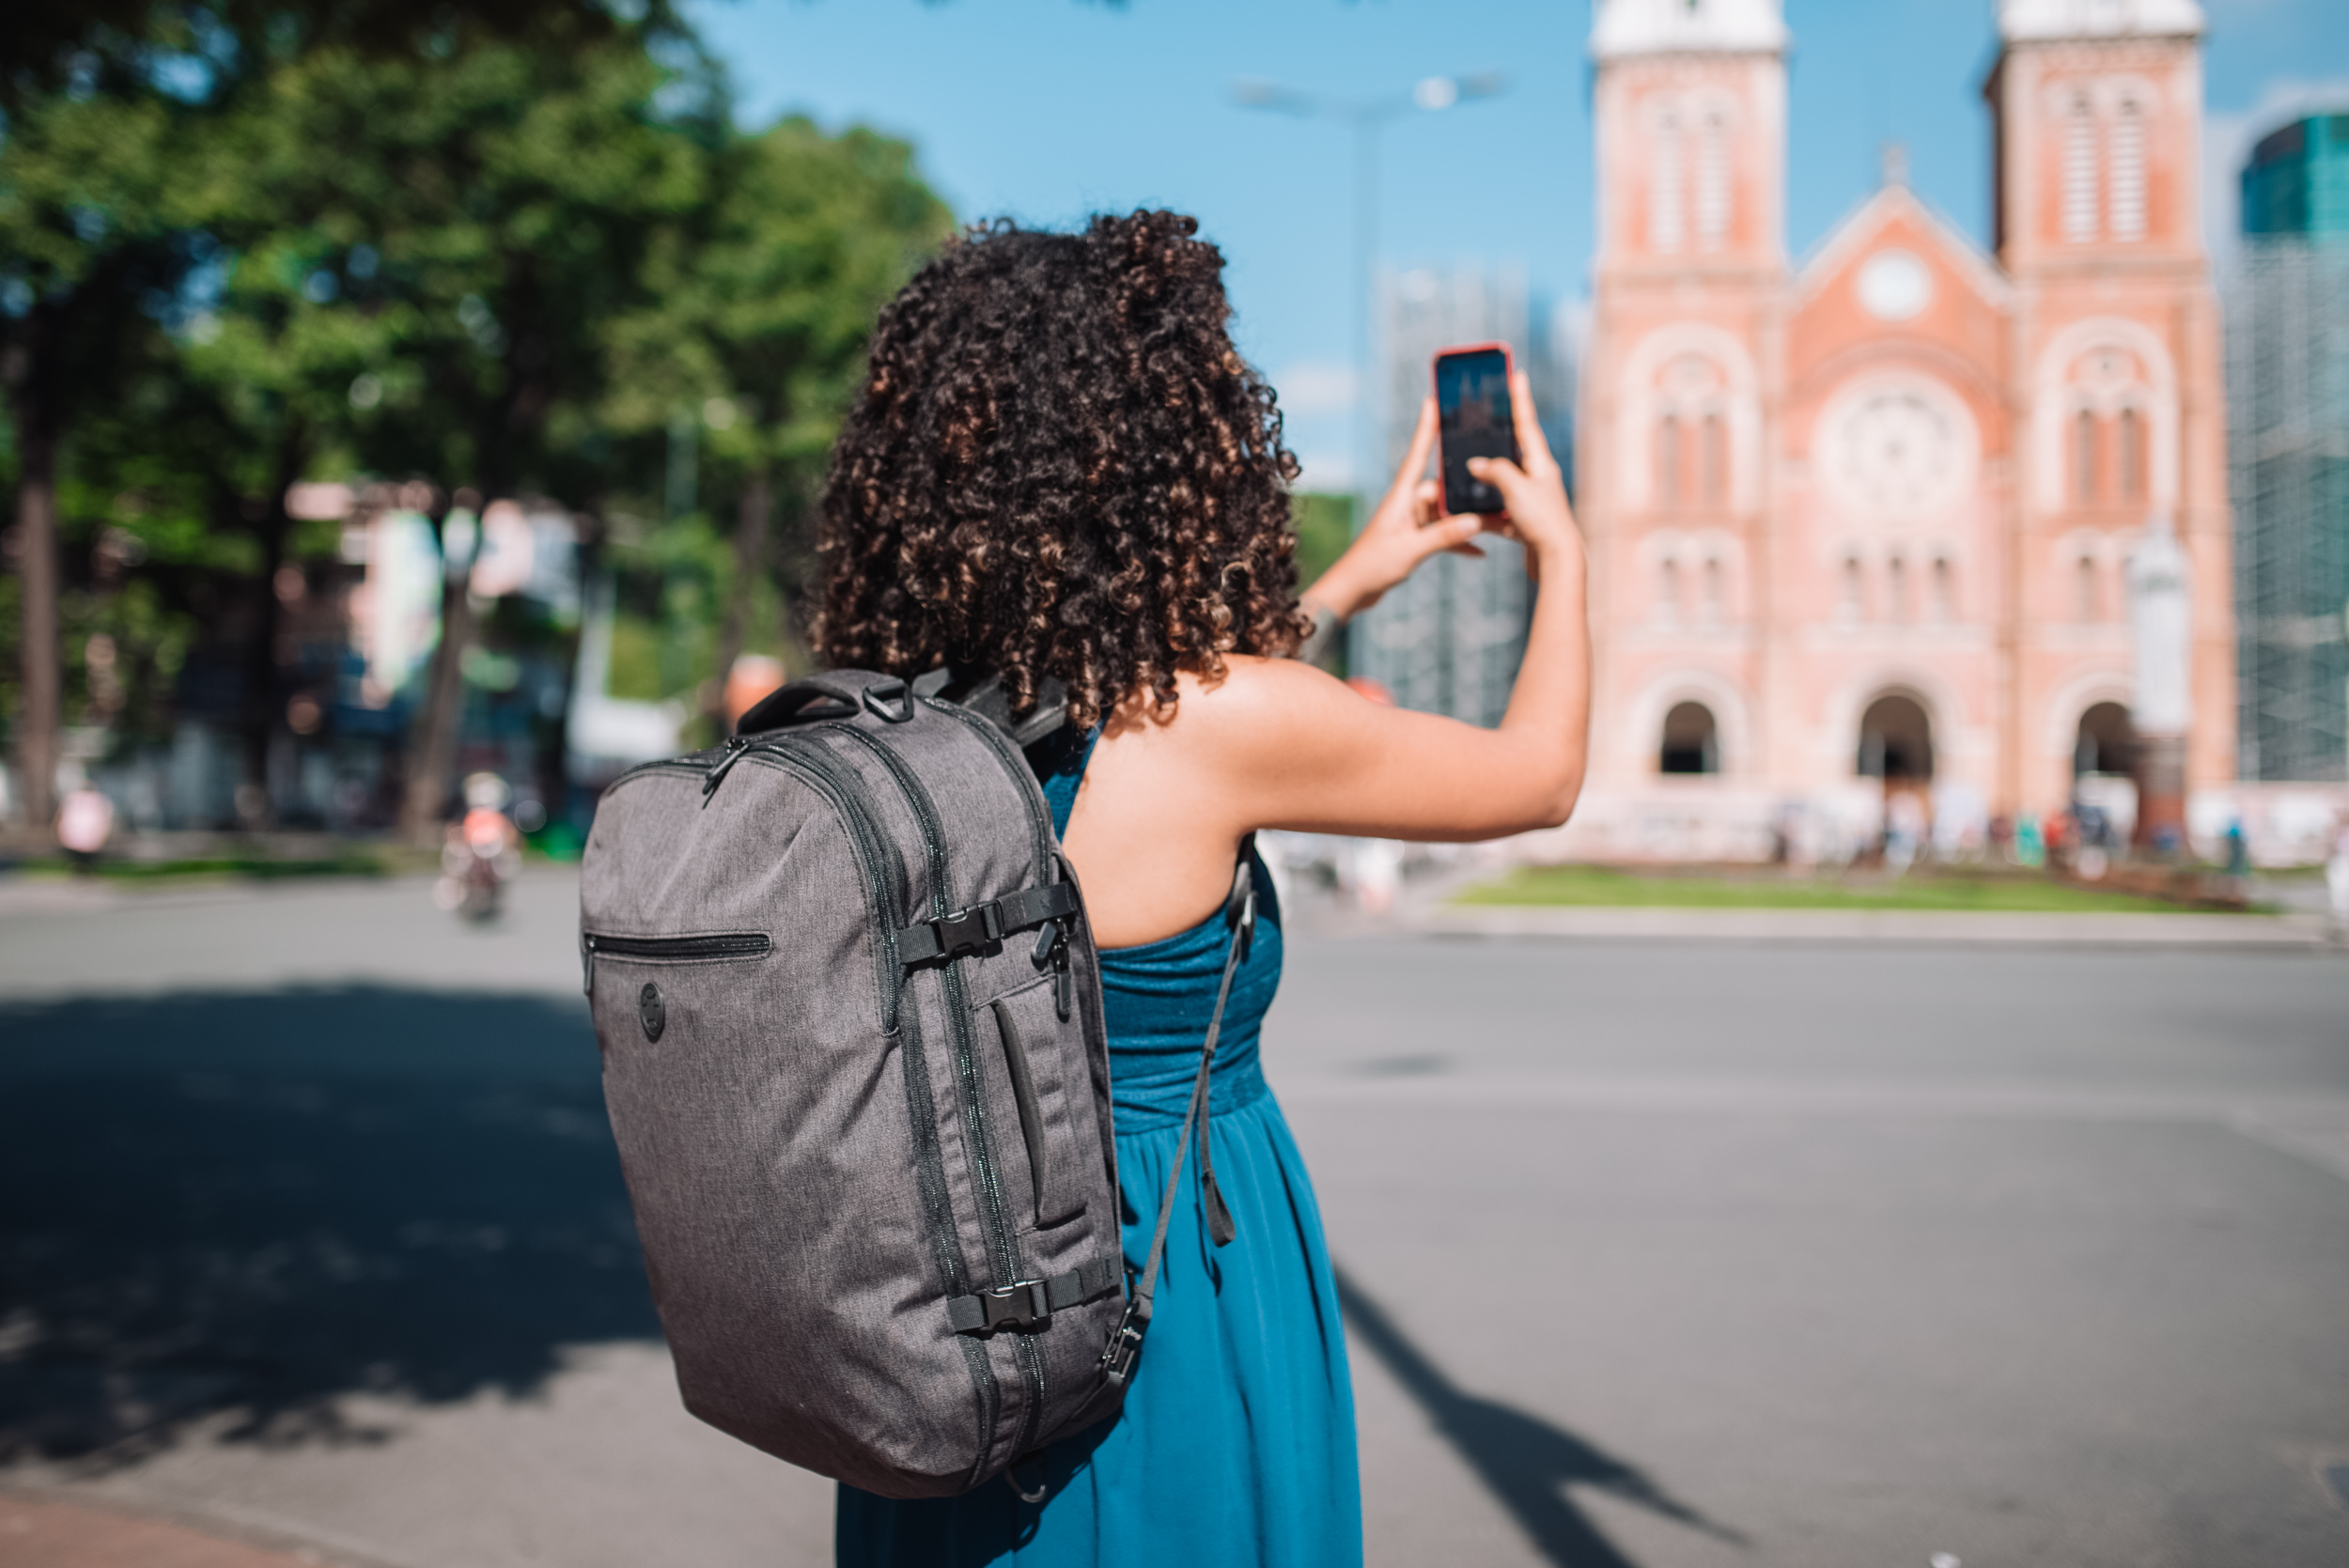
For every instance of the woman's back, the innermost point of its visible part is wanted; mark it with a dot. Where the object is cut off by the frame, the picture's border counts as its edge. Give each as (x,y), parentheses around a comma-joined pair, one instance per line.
(1236,1442)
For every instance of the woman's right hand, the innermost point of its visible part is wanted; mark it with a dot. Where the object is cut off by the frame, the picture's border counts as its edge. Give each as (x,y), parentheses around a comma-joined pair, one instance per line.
(1539,515)
(1408,525)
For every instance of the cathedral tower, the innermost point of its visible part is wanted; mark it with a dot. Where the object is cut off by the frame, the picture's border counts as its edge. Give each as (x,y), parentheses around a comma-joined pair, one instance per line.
(2098,113)
(1672,441)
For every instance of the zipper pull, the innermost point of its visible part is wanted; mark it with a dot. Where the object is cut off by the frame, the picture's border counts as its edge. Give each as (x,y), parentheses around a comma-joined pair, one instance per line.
(587,963)
(736,746)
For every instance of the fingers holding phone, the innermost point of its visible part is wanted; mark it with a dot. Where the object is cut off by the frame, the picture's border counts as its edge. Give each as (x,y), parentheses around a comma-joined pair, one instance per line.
(1476,416)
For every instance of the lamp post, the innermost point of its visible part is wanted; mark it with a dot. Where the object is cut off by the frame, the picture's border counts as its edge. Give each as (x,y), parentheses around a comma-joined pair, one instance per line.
(1366,116)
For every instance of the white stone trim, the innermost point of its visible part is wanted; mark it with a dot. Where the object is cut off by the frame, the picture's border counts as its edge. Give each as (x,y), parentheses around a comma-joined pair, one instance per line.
(2060,726)
(1639,409)
(2045,20)
(2053,409)
(1732,734)
(1627,27)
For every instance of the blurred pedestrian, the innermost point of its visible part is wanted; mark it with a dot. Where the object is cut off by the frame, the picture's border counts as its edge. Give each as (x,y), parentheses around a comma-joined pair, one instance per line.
(1061,469)
(85,821)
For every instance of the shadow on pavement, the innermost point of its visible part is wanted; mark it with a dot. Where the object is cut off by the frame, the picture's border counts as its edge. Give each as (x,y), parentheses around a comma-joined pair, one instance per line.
(250,1205)
(1522,1459)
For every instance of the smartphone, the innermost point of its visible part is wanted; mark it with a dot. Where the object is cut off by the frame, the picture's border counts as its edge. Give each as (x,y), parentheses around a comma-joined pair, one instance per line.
(1476,418)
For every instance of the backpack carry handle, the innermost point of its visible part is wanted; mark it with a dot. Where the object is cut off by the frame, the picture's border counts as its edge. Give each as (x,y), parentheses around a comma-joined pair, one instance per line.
(883,696)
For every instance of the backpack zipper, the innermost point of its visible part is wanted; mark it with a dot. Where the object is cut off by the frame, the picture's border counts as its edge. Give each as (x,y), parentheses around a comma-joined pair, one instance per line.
(814,765)
(992,1210)
(1022,778)
(720,946)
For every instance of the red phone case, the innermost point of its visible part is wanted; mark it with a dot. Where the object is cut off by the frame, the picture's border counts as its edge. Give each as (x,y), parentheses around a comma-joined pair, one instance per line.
(1509,368)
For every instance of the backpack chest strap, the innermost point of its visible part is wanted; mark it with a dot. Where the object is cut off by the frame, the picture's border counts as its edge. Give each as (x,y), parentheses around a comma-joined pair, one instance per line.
(982,925)
(1029,1303)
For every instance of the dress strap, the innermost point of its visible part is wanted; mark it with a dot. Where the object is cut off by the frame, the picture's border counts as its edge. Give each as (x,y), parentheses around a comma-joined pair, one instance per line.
(1060,783)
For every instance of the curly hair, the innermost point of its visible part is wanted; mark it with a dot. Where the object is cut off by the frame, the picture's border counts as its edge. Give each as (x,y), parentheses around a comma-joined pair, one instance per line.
(1060,468)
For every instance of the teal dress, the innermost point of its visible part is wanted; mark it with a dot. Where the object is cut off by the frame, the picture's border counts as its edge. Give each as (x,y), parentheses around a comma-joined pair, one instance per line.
(1236,1444)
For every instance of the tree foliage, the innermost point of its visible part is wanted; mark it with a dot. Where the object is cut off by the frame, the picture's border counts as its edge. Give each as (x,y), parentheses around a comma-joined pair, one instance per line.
(489,252)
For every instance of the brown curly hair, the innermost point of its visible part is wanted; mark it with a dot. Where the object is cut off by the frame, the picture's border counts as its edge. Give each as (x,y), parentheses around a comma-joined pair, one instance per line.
(1060,468)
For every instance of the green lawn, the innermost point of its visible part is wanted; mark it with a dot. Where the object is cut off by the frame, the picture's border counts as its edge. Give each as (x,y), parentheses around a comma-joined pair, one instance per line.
(1592,886)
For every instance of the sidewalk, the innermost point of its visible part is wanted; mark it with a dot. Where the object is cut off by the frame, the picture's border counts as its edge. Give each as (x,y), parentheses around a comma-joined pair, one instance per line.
(37,1534)
(2273,932)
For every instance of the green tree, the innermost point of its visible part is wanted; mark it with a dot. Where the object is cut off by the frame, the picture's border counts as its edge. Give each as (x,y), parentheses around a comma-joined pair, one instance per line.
(111,113)
(485,212)
(759,305)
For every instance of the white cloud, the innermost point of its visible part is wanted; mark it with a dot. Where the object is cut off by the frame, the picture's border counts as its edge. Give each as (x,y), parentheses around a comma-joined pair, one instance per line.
(1315,387)
(2228,138)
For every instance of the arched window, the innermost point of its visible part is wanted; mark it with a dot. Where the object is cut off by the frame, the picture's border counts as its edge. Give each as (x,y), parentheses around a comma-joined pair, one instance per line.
(1668,593)
(2084,485)
(1715,594)
(1666,221)
(1848,607)
(1714,461)
(1713,181)
(1896,590)
(2084,595)
(2132,455)
(1944,590)
(2128,172)
(1691,741)
(1668,462)
(2079,170)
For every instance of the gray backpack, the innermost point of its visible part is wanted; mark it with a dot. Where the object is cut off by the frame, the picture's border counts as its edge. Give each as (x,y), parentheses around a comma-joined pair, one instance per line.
(850,1020)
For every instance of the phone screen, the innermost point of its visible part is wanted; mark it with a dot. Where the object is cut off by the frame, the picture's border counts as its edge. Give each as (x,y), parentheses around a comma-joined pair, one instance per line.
(1476,419)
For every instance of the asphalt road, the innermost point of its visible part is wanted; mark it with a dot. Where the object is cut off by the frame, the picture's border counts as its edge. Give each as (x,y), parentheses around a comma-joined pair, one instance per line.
(1655,1254)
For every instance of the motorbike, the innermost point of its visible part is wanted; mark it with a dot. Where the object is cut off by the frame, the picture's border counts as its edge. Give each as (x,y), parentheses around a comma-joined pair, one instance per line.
(483,852)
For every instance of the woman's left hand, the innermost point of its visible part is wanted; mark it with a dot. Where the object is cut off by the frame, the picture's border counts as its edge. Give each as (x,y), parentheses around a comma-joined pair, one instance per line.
(1408,528)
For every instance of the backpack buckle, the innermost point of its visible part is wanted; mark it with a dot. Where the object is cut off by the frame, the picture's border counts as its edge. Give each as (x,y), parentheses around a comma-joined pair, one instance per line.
(968,930)
(1125,1346)
(1021,1304)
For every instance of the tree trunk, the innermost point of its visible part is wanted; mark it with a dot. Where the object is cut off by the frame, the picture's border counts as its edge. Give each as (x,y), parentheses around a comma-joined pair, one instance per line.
(432,736)
(750,561)
(39,733)
(261,711)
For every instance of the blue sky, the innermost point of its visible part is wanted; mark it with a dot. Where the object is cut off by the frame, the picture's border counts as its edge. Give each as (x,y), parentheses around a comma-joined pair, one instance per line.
(1049,109)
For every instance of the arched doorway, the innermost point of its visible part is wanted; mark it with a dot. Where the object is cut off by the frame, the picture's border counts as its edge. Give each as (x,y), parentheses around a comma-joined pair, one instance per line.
(2107,742)
(1692,741)
(1896,740)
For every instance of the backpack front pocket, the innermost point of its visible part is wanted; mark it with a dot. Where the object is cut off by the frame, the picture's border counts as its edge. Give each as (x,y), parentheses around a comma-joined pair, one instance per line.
(1037,1069)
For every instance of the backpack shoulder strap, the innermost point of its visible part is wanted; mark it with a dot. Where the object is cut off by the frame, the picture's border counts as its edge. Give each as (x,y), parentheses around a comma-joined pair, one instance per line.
(1239,912)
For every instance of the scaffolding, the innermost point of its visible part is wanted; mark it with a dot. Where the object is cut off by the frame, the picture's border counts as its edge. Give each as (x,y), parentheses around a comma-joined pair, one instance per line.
(2288,468)
(1450,639)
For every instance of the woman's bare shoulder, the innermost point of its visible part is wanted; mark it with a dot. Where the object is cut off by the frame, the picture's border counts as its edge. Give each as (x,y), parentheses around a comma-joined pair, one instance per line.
(1254,705)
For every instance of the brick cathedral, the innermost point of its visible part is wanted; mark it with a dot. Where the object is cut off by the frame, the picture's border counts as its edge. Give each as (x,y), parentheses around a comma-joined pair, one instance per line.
(1863,525)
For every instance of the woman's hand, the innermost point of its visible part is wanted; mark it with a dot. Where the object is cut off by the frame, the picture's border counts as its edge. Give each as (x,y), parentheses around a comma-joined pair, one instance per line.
(1408,528)
(1536,493)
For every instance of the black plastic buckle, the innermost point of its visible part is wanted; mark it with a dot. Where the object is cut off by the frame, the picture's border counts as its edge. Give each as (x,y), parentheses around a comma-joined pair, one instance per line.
(971,930)
(1051,952)
(1021,1304)
(1125,1347)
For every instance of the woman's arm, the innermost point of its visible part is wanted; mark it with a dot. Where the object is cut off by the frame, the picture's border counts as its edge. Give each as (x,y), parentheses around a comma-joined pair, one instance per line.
(1301,749)
(1279,744)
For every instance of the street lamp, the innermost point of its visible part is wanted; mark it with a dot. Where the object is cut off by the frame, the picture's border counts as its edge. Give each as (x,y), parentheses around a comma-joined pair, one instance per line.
(1366,116)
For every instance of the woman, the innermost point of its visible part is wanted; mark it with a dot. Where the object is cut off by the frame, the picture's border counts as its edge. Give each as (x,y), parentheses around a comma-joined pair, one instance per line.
(1059,469)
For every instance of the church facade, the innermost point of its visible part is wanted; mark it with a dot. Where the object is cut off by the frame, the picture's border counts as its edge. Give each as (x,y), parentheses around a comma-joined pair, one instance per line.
(1864,526)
